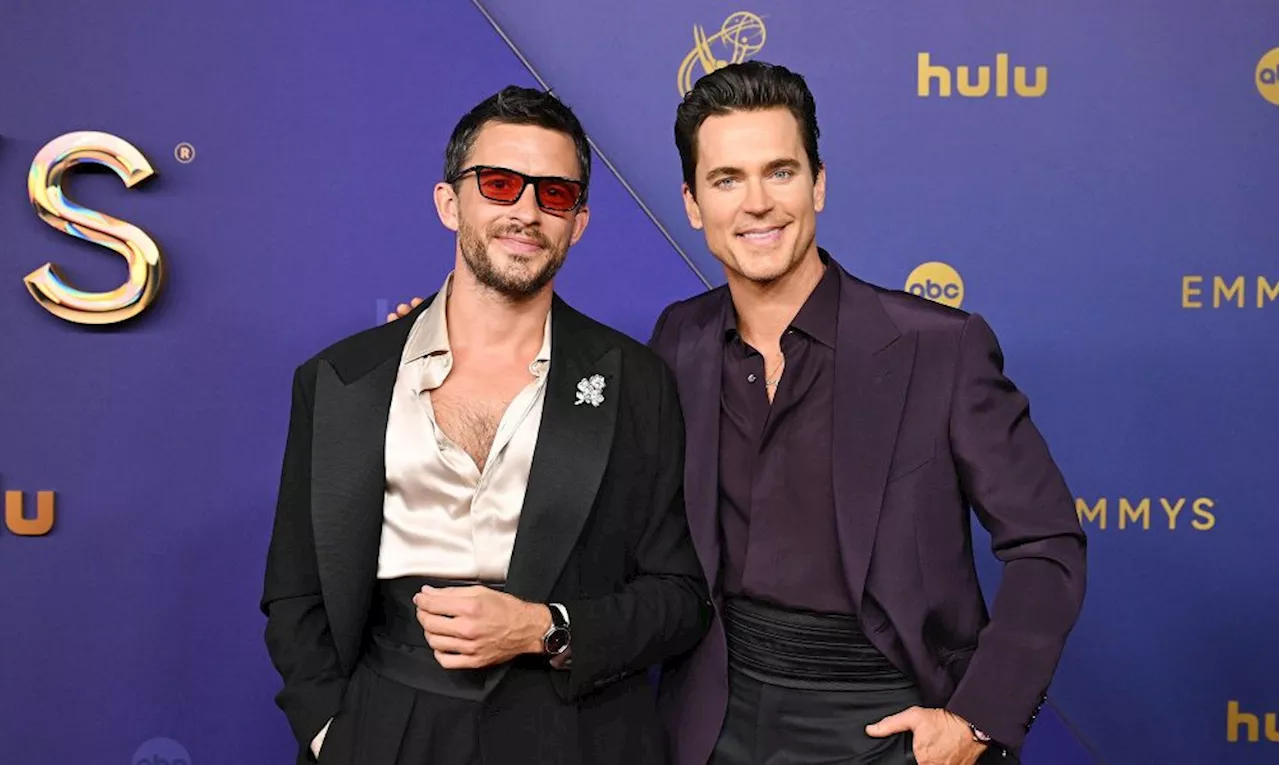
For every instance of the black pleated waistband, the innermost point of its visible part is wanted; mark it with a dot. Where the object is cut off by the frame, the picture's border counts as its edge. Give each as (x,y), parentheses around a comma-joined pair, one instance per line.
(399,649)
(396,617)
(802,649)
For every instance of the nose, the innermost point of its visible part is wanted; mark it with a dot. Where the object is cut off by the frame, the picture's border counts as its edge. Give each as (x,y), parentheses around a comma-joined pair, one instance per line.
(757,200)
(525,209)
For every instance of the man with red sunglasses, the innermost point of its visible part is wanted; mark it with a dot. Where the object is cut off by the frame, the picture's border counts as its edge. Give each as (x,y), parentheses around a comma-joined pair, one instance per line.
(840,439)
(480,542)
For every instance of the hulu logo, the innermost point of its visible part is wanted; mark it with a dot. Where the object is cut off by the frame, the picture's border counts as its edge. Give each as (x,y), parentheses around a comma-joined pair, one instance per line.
(1240,722)
(977,82)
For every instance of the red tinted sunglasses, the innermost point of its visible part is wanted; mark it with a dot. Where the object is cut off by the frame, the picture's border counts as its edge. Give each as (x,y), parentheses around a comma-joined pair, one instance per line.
(504,186)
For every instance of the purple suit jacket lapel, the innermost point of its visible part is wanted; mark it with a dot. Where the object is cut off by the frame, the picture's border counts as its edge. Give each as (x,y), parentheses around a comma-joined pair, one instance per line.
(699,365)
(873,369)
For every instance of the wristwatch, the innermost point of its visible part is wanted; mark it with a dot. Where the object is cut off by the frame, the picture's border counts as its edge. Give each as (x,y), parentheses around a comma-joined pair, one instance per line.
(983,738)
(556,640)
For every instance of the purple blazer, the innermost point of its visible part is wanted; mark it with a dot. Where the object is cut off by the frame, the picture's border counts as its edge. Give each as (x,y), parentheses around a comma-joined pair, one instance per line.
(926,427)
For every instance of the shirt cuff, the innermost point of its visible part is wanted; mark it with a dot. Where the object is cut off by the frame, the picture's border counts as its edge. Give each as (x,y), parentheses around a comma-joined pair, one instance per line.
(318,741)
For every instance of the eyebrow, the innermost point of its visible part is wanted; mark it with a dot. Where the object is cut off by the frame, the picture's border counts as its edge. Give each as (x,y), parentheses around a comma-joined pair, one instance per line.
(777,164)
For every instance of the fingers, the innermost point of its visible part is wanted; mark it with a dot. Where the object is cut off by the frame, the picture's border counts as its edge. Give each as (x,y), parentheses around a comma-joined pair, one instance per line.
(448,601)
(403,310)
(900,723)
(459,661)
(447,626)
(453,645)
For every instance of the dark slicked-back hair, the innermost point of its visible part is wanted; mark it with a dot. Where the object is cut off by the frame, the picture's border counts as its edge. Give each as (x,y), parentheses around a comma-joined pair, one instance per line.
(517,106)
(749,86)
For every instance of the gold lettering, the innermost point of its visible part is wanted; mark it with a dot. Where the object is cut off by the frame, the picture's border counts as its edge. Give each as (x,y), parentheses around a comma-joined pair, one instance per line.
(28,527)
(44,187)
(1002,75)
(1096,513)
(970,89)
(1236,718)
(1172,512)
(1143,511)
(926,73)
(1030,91)
(1267,290)
(1220,290)
(1198,507)
(1188,291)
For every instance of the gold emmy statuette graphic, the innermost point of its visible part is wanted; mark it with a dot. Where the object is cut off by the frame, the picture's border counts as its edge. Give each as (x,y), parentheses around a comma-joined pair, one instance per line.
(740,37)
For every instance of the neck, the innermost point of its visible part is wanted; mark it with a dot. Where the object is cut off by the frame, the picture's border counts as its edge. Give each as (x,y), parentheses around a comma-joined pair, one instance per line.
(765,309)
(482,319)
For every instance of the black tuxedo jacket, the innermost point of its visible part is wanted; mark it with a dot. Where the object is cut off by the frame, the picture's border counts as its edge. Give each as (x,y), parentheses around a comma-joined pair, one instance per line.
(602,530)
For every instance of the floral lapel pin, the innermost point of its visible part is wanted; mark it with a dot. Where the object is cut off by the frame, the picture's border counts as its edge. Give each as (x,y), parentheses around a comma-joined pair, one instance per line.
(590,391)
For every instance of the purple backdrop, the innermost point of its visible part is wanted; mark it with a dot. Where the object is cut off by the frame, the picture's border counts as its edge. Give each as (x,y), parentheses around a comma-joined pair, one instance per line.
(130,633)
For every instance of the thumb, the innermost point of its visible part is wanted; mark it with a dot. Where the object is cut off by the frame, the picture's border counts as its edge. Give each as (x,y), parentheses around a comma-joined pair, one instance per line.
(899,723)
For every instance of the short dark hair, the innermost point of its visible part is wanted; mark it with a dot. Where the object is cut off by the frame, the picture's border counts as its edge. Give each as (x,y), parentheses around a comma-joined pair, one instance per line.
(749,86)
(514,105)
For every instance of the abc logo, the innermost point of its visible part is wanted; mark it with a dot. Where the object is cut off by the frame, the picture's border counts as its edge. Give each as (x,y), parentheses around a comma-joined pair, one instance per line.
(1267,75)
(938,282)
(161,751)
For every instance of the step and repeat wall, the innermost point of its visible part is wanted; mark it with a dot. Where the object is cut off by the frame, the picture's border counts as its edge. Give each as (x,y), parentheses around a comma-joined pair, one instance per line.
(1098,179)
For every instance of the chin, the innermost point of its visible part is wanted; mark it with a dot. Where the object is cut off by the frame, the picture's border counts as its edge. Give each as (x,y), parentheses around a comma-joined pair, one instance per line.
(759,267)
(523,264)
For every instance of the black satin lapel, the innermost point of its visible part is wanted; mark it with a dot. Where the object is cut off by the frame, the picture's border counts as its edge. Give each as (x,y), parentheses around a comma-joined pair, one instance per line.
(574,442)
(348,478)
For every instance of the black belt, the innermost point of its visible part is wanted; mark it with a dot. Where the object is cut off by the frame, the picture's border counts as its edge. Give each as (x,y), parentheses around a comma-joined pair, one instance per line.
(803,649)
(399,649)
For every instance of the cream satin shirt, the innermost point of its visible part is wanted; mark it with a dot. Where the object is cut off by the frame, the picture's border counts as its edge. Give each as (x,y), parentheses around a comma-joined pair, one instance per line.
(441,515)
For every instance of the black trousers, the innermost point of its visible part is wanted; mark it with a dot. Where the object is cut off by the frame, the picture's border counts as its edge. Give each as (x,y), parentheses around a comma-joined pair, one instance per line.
(803,687)
(774,725)
(401,707)
(384,722)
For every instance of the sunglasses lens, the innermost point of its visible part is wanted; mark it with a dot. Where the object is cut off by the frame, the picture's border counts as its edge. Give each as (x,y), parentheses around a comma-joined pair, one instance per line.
(560,196)
(500,185)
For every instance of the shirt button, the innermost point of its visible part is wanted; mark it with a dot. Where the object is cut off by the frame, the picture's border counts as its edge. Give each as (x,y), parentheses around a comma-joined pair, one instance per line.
(751,378)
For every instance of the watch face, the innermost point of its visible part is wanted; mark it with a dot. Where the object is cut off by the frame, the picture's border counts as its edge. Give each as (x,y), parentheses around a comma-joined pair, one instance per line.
(557,641)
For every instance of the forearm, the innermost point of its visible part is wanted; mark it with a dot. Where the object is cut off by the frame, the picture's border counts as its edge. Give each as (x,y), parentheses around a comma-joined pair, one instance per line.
(651,619)
(301,649)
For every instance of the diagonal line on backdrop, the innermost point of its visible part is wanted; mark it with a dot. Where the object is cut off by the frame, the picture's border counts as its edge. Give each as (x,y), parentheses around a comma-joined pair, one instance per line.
(596,148)
(1075,732)
(1071,726)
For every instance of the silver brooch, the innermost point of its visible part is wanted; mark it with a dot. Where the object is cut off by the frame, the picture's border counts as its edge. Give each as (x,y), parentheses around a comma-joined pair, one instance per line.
(590,390)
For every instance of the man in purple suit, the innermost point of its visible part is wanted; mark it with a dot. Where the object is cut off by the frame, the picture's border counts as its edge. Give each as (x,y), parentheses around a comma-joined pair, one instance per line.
(838,435)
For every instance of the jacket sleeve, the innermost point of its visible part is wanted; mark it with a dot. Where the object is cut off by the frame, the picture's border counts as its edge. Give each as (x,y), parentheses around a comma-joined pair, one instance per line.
(664,609)
(297,632)
(1020,497)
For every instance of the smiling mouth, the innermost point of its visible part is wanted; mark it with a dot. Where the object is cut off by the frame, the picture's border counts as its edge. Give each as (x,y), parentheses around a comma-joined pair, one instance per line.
(762,235)
(520,245)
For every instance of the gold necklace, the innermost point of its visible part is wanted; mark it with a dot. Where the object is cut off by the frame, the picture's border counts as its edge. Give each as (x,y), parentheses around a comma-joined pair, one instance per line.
(781,365)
